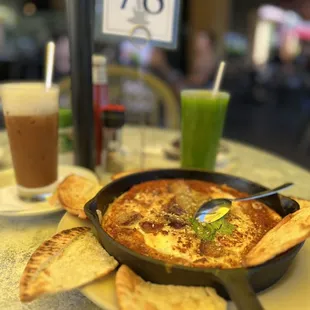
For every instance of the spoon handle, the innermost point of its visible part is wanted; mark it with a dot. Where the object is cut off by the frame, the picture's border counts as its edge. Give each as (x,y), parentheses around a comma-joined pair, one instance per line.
(268,192)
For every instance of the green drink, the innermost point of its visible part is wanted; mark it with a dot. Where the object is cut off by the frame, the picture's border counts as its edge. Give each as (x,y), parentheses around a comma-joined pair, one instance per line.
(203,117)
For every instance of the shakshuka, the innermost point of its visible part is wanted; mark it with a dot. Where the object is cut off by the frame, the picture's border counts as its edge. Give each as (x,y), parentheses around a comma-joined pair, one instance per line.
(155,219)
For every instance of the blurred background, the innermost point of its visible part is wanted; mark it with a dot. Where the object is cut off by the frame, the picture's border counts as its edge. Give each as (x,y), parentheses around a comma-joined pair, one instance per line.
(266,46)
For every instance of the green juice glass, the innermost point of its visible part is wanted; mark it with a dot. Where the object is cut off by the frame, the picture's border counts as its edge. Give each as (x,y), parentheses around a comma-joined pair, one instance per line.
(203,118)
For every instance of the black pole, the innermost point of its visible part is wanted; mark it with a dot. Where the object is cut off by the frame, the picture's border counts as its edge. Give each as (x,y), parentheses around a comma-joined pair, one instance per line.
(80,28)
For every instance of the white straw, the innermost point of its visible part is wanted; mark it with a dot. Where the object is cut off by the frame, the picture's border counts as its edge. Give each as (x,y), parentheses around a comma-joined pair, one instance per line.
(49,65)
(219,77)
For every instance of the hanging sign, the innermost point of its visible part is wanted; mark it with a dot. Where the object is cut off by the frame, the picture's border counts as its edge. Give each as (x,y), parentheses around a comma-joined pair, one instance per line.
(154,21)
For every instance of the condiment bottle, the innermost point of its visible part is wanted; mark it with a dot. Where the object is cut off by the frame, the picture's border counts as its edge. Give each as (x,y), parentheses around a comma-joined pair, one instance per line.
(113,119)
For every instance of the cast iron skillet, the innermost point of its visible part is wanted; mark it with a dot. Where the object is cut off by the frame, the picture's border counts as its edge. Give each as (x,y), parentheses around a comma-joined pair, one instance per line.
(239,284)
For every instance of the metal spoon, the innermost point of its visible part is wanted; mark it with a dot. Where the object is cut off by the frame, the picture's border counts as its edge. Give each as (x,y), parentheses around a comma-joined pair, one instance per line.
(212,210)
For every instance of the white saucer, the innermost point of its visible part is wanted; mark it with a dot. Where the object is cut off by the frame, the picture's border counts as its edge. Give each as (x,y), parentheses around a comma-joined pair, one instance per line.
(12,206)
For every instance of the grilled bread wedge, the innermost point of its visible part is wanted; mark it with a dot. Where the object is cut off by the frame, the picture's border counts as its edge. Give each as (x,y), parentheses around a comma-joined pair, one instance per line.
(73,193)
(68,260)
(134,293)
(290,231)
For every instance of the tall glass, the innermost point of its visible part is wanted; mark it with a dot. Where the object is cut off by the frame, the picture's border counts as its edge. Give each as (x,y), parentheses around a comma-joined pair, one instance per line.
(203,117)
(31,118)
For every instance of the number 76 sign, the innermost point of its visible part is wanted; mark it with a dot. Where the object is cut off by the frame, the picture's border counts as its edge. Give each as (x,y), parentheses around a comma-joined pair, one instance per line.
(156,21)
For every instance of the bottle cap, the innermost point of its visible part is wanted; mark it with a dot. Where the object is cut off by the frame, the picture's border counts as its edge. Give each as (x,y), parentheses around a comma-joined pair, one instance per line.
(113,116)
(98,60)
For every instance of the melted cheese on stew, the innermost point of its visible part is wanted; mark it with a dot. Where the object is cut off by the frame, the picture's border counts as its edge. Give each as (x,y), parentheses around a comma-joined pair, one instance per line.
(153,219)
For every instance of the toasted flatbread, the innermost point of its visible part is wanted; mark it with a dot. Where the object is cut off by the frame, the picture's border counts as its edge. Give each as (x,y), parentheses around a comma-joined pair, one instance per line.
(70,259)
(53,200)
(74,192)
(134,293)
(293,229)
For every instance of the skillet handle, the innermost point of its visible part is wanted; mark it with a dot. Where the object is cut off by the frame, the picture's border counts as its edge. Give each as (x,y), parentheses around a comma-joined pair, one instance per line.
(239,289)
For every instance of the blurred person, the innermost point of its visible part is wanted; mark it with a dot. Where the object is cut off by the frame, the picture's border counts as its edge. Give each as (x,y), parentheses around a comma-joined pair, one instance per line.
(303,62)
(204,64)
(304,58)
(202,71)
(62,56)
(289,47)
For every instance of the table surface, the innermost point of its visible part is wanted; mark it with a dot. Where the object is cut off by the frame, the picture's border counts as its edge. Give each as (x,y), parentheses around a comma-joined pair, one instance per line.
(21,236)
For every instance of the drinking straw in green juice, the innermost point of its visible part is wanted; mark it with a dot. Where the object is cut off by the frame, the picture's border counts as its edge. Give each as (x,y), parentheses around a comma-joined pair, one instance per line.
(203,117)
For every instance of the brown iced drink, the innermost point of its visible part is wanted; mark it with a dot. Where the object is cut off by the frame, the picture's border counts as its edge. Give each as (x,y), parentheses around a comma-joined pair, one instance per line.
(31,118)
(33,142)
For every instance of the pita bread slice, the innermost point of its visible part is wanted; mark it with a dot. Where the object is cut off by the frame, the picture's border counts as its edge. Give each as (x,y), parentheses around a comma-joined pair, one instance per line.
(74,192)
(134,293)
(54,201)
(291,230)
(68,260)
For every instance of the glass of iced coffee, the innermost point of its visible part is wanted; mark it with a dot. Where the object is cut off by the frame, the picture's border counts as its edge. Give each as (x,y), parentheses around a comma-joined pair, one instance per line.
(31,118)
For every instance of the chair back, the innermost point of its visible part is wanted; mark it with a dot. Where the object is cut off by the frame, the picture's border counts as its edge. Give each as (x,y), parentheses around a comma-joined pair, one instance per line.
(139,91)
